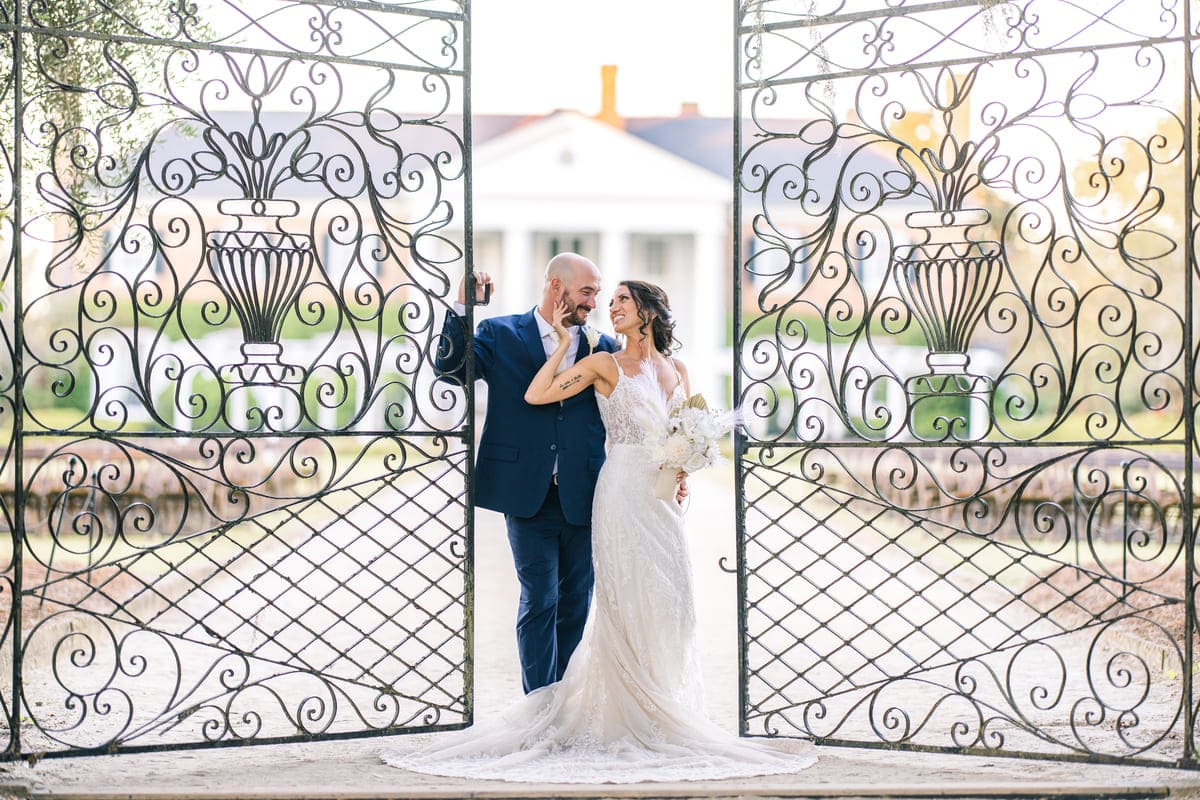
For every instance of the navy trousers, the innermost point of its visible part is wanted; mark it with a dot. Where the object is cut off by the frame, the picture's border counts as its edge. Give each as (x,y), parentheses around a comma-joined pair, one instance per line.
(554,566)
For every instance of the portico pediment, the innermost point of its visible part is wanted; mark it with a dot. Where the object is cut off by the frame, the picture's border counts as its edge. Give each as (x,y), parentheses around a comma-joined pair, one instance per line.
(567,154)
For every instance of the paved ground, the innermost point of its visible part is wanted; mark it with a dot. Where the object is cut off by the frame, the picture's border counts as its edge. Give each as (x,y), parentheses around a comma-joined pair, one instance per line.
(351,769)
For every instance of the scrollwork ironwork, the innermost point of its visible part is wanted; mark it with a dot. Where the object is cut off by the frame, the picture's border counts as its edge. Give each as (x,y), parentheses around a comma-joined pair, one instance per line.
(967,363)
(235,489)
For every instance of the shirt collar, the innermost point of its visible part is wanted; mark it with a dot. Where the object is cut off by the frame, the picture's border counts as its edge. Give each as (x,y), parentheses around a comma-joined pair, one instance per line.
(545,328)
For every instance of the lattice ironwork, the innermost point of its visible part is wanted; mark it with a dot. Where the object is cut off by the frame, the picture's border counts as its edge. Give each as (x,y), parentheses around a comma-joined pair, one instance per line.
(966,347)
(236,491)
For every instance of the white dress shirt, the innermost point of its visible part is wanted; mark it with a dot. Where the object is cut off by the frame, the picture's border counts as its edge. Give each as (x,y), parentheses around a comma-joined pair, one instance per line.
(548,334)
(549,343)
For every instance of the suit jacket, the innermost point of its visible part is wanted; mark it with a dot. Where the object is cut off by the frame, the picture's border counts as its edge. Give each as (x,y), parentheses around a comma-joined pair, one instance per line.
(521,441)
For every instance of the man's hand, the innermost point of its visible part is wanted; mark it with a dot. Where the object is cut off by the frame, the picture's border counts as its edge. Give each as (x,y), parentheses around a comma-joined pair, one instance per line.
(681,492)
(483,288)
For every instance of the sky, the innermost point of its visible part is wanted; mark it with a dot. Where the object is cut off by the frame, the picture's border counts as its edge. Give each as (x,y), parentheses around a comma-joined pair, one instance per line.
(534,56)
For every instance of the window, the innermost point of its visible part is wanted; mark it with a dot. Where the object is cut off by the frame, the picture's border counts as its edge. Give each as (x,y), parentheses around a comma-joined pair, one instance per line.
(659,256)
(551,244)
(654,259)
(548,244)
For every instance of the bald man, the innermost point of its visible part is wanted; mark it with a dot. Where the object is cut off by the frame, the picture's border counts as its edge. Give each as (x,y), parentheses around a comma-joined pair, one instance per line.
(537,465)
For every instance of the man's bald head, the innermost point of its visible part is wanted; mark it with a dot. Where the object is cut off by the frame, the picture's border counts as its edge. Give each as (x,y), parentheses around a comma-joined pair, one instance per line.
(570,268)
(575,280)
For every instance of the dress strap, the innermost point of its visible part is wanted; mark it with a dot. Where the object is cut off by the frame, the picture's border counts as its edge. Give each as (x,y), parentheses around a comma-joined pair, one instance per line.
(620,371)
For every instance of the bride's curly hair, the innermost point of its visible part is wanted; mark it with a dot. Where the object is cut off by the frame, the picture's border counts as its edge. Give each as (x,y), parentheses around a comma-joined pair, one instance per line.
(654,310)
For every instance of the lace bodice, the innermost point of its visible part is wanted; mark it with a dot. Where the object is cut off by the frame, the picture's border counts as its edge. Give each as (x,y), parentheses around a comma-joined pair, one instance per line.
(636,403)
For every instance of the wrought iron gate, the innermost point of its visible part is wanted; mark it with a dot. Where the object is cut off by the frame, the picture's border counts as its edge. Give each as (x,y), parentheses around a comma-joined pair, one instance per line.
(236,494)
(966,345)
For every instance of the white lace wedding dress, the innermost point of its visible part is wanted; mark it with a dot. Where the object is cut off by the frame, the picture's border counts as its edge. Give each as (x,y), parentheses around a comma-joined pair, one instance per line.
(629,707)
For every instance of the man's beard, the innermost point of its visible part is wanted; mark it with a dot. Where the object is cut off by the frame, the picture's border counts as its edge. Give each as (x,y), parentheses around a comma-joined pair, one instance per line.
(578,315)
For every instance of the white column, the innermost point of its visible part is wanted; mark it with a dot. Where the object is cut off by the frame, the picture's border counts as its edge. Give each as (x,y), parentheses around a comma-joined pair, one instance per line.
(326,417)
(896,402)
(237,403)
(704,351)
(187,385)
(515,290)
(374,419)
(614,266)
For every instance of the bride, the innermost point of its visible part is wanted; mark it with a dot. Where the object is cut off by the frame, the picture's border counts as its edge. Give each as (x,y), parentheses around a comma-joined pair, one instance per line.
(628,708)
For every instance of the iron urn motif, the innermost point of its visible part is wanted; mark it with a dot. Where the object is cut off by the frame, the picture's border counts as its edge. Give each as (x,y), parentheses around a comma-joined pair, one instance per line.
(261,268)
(947,281)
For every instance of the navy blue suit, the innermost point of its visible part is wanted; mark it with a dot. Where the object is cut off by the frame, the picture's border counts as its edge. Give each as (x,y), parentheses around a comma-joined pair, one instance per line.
(549,525)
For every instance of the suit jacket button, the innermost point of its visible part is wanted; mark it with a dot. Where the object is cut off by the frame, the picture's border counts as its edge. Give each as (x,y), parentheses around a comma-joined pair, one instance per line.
(553,447)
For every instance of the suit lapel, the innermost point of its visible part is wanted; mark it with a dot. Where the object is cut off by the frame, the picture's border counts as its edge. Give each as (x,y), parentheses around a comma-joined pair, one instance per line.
(585,349)
(533,338)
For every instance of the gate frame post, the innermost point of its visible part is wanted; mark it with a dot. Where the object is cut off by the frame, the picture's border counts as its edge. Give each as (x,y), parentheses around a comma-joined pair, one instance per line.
(1189,530)
(17,516)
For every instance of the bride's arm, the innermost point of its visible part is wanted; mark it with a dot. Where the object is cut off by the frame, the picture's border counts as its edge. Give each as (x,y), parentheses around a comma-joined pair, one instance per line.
(682,492)
(546,387)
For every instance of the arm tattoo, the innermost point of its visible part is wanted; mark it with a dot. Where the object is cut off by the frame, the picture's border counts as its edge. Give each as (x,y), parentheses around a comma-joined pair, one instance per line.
(569,382)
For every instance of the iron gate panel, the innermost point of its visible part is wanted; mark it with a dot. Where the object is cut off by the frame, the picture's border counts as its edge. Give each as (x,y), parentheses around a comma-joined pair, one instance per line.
(236,492)
(966,344)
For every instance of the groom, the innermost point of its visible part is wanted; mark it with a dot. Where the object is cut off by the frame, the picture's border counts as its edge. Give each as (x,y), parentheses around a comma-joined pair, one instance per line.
(538,464)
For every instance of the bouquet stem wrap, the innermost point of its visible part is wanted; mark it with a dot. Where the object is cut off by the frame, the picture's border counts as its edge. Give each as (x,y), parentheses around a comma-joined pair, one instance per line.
(666,484)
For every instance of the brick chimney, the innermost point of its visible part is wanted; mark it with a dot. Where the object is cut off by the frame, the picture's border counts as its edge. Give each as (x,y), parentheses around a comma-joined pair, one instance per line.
(608,97)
